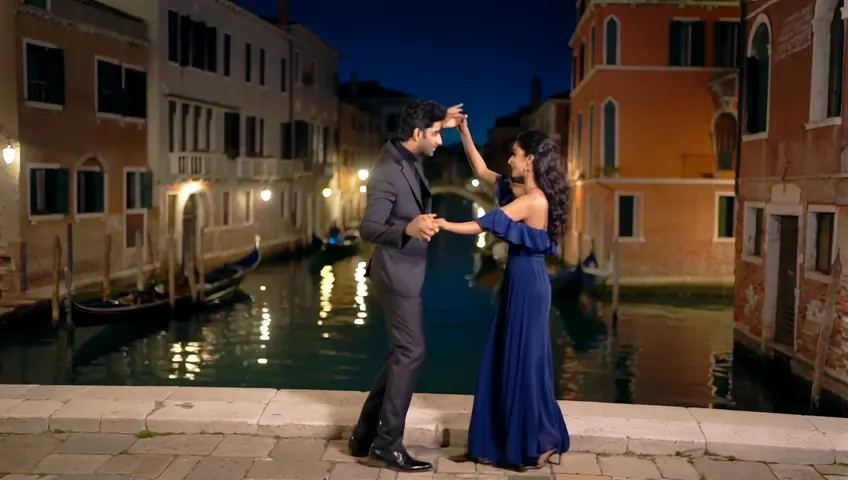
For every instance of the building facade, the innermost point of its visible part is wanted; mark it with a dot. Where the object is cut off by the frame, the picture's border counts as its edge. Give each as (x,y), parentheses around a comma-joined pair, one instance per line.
(501,136)
(75,114)
(359,145)
(242,121)
(653,138)
(388,103)
(792,186)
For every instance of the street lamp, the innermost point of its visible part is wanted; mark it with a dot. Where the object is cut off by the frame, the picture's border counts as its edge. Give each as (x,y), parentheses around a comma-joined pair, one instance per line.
(475,183)
(363,189)
(265,195)
(362,174)
(9,154)
(327,192)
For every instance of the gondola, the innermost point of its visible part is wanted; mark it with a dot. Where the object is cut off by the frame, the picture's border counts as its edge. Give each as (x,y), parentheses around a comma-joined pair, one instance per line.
(332,252)
(219,285)
(574,281)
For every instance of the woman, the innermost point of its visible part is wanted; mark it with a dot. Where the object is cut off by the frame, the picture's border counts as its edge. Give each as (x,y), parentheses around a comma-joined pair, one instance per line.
(516,421)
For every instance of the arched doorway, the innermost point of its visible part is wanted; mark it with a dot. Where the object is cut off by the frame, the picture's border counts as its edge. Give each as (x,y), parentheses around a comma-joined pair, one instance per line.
(190,219)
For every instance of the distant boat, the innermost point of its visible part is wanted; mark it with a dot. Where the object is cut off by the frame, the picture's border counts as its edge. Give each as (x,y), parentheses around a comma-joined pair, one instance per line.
(573,280)
(333,251)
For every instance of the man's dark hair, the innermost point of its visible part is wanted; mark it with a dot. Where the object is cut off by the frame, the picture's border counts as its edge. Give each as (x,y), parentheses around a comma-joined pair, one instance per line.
(421,114)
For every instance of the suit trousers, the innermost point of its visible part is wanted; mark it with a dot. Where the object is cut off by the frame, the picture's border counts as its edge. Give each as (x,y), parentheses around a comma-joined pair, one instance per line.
(383,416)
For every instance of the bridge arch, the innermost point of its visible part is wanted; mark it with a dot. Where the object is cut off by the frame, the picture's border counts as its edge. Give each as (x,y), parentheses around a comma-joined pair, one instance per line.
(480,198)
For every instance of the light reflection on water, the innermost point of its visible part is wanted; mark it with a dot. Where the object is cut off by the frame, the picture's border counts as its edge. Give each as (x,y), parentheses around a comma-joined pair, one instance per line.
(324,332)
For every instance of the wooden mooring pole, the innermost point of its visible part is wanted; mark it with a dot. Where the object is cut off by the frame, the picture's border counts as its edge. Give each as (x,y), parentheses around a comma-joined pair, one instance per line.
(69,276)
(139,261)
(57,280)
(616,267)
(107,267)
(172,266)
(201,268)
(826,332)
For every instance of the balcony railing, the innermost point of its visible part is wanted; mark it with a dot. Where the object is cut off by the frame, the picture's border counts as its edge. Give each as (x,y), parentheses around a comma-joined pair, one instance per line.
(259,168)
(198,164)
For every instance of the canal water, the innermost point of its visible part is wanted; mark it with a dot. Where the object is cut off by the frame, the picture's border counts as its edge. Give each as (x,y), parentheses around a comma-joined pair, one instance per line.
(296,330)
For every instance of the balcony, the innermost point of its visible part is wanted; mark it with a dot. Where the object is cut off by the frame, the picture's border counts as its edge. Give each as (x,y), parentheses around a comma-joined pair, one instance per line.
(261,168)
(323,169)
(198,165)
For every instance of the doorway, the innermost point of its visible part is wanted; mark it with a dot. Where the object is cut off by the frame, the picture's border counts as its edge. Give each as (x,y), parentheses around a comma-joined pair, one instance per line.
(787,275)
(189,229)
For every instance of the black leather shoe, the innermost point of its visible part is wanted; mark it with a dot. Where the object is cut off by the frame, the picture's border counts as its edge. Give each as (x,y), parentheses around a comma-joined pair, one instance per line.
(358,447)
(398,460)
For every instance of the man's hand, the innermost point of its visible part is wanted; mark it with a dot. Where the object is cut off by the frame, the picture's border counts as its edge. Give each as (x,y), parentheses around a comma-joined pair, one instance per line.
(423,227)
(453,116)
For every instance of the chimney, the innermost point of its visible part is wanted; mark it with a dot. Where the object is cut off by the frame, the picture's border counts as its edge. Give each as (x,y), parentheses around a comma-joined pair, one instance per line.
(354,84)
(283,13)
(536,92)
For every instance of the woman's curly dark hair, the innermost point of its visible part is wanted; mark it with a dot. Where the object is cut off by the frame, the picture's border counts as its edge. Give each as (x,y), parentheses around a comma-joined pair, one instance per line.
(548,173)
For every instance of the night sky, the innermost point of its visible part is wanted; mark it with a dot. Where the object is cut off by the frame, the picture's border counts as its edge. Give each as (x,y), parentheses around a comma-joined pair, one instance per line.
(450,51)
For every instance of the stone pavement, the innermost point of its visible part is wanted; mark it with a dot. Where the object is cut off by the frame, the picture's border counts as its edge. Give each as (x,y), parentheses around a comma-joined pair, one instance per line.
(85,456)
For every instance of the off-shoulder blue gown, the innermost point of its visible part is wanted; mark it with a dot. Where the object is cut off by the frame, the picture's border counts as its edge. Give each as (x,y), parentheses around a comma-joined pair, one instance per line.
(516,418)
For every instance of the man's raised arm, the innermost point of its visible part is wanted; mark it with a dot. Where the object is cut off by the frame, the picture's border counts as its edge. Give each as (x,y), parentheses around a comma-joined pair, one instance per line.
(376,227)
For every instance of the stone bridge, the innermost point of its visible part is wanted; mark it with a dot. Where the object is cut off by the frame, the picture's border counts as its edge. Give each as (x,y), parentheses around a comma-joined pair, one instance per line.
(471,189)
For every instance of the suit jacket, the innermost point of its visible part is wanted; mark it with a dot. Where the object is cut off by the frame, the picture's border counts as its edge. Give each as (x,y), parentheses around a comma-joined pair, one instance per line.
(397,192)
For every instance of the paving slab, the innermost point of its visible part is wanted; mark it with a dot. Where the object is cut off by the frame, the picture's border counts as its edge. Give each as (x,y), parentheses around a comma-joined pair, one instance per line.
(61,393)
(28,416)
(244,446)
(633,467)
(578,463)
(206,417)
(299,449)
(136,466)
(178,445)
(220,468)
(152,393)
(213,394)
(102,415)
(725,470)
(289,470)
(94,444)
(794,472)
(64,463)
(13,391)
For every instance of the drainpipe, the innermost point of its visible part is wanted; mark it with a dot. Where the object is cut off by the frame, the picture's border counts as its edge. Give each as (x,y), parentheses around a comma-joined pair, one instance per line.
(740,89)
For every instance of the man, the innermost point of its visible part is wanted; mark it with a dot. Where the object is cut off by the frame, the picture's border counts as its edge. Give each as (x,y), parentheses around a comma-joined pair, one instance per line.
(398,221)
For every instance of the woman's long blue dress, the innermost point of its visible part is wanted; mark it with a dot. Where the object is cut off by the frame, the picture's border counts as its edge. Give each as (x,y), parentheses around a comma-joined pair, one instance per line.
(516,418)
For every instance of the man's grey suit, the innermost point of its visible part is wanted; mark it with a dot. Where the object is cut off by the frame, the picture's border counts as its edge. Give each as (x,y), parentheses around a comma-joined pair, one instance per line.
(397,193)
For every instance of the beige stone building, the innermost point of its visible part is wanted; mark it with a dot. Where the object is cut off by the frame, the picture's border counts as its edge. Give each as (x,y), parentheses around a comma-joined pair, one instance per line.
(359,145)
(73,109)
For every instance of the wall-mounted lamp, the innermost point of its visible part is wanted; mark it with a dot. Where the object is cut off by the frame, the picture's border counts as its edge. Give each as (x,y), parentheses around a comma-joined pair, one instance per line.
(363,189)
(327,192)
(265,195)
(9,154)
(363,174)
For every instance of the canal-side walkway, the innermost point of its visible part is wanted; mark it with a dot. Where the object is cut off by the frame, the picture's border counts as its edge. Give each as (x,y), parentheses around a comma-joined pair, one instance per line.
(434,421)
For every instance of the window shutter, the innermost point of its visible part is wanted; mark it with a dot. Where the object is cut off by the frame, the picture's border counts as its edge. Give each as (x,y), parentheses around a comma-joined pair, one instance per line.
(33,191)
(699,44)
(185,40)
(99,192)
(147,190)
(56,77)
(720,29)
(62,198)
(286,135)
(212,49)
(752,81)
(625,216)
(675,45)
(173,36)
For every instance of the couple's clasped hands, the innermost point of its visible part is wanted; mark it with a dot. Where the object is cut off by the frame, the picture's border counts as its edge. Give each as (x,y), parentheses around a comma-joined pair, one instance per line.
(425,226)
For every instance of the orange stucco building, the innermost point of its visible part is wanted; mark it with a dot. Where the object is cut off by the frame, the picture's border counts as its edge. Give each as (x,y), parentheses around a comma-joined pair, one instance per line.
(653,138)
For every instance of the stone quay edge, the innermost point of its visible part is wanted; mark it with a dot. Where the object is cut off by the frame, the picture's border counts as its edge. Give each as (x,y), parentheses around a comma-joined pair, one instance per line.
(434,420)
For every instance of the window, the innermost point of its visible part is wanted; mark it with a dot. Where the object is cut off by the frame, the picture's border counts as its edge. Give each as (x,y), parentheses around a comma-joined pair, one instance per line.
(284,203)
(225,209)
(609,134)
(725,217)
(581,62)
(195,127)
(232,134)
(725,129)
(247,205)
(592,47)
(393,124)
(192,43)
(590,142)
(580,137)
(184,119)
(835,60)
(574,78)
(754,228)
(296,67)
(823,224)
(284,85)
(757,81)
(260,142)
(48,191)
(91,192)
(172,126)
(121,90)
(611,41)
(45,74)
(687,43)
(251,149)
(628,210)
(262,66)
(286,143)
(248,66)
(37,3)
(725,43)
(209,129)
(227,54)
(309,74)
(138,190)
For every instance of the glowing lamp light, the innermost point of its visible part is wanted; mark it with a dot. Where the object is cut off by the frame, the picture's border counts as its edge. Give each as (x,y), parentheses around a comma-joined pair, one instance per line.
(363,188)
(9,154)
(475,183)
(265,195)
(327,192)
(362,174)
(189,188)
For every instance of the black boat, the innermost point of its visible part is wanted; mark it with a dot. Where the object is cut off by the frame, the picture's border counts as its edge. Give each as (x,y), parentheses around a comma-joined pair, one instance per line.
(574,281)
(334,251)
(219,285)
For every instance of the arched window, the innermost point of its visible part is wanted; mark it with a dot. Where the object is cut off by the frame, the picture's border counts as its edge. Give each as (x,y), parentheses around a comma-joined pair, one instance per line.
(90,188)
(611,41)
(609,134)
(724,140)
(757,70)
(835,61)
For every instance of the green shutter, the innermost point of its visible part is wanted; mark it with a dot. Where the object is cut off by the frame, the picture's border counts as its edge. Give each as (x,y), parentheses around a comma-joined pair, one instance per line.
(147,190)
(719,41)
(99,192)
(722,217)
(675,51)
(56,82)
(62,191)
(699,44)
(33,191)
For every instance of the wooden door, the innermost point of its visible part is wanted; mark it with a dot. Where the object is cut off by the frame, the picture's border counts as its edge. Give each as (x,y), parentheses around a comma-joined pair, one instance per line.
(786,281)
